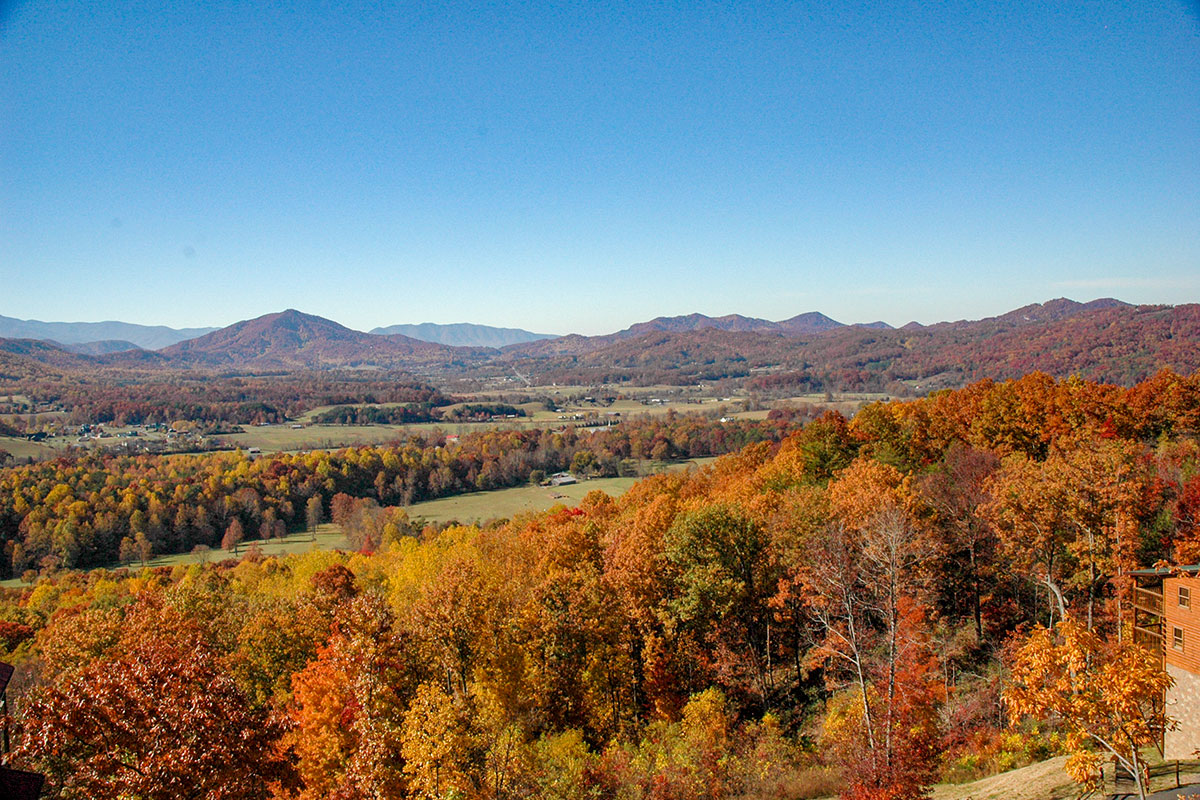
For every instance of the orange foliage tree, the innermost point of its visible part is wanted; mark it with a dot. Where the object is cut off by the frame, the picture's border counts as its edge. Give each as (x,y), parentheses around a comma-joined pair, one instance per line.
(886,736)
(1104,693)
(347,706)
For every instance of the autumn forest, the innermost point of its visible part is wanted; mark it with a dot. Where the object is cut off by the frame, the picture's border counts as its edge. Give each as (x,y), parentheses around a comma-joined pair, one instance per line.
(592,401)
(858,605)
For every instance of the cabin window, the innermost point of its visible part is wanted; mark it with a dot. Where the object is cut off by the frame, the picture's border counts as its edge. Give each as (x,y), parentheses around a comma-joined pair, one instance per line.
(1185,597)
(1177,636)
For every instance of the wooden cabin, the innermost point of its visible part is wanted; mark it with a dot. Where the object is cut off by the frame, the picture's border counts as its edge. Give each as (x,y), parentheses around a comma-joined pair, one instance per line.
(1167,619)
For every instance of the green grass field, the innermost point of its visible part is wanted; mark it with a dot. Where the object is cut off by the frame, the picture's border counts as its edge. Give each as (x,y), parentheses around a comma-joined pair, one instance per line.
(273,438)
(23,448)
(328,537)
(505,503)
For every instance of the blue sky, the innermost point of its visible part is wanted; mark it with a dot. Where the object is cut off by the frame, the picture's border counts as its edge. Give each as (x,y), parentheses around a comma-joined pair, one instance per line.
(582,166)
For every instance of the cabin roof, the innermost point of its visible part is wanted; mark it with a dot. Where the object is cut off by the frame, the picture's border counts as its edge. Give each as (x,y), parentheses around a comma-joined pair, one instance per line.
(1165,572)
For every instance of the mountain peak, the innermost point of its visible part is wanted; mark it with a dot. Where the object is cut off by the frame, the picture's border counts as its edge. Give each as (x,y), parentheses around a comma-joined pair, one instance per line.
(809,322)
(291,338)
(1057,309)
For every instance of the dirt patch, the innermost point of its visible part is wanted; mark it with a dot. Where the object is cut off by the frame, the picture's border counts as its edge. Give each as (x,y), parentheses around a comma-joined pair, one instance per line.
(1045,780)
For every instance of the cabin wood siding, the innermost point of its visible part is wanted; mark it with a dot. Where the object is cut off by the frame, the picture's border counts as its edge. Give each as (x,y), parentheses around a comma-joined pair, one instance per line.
(1186,619)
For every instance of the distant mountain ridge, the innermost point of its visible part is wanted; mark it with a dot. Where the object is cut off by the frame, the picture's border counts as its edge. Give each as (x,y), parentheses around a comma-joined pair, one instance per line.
(1105,340)
(809,322)
(816,322)
(463,334)
(1054,310)
(147,337)
(1059,309)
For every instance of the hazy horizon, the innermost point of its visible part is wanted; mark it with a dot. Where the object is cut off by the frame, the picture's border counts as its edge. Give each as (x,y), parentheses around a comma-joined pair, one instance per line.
(621,325)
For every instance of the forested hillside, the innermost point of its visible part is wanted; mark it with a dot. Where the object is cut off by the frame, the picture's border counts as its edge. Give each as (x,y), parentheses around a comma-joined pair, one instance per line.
(838,611)
(1104,340)
(1110,343)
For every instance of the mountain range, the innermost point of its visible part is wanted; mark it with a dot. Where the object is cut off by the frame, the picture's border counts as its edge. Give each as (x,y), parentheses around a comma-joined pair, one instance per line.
(1104,339)
(99,338)
(147,337)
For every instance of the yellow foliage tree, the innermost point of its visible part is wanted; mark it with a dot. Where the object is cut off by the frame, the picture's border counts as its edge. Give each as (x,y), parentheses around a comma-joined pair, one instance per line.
(1104,693)
(436,742)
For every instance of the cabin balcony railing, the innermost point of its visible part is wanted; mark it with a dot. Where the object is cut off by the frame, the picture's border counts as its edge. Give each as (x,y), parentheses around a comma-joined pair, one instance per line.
(1149,601)
(1149,638)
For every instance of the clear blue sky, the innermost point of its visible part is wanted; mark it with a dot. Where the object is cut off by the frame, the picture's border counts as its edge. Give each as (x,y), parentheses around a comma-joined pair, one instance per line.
(581,166)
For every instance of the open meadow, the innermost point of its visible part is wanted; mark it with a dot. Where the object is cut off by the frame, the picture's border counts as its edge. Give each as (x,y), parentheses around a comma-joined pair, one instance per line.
(478,507)
(22,448)
(327,537)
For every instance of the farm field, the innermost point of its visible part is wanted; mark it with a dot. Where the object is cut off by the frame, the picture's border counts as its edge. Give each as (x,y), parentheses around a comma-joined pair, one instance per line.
(505,503)
(282,437)
(275,438)
(327,537)
(272,438)
(23,448)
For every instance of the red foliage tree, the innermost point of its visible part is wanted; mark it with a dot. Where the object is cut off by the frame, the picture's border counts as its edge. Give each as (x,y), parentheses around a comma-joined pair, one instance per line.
(897,760)
(159,719)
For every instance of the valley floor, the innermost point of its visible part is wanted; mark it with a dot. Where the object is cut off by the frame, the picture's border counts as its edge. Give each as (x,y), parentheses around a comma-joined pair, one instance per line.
(472,508)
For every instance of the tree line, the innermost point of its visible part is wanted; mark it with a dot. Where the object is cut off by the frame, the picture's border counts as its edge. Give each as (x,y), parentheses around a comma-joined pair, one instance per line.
(247,399)
(87,511)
